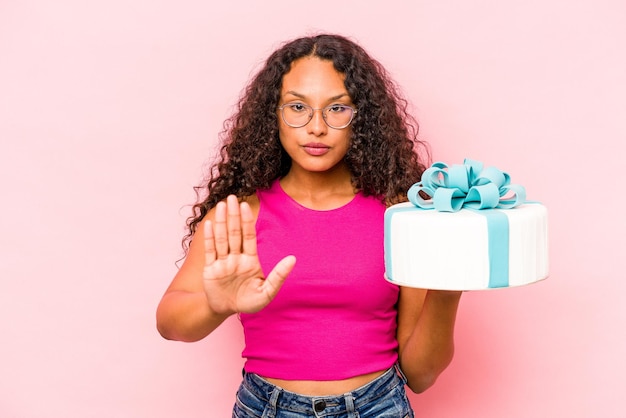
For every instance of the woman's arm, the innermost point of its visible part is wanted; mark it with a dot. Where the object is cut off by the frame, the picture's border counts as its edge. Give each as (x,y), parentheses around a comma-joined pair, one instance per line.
(220,276)
(426,334)
(184,313)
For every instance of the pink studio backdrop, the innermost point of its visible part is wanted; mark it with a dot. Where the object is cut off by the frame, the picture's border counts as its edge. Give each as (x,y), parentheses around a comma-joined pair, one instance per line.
(109,111)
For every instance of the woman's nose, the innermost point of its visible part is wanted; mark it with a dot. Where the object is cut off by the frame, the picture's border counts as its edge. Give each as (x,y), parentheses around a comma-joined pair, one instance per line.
(317,125)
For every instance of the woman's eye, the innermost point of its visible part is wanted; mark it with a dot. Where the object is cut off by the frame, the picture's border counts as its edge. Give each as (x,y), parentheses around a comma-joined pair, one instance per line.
(297,107)
(337,108)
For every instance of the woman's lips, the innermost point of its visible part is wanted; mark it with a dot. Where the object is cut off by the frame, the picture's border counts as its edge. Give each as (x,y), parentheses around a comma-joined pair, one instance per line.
(316,149)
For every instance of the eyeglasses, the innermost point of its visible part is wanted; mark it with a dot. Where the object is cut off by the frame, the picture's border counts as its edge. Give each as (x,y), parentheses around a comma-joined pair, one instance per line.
(336,116)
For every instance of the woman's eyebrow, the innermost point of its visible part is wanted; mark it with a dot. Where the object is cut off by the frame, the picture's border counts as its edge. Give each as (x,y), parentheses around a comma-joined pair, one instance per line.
(302,96)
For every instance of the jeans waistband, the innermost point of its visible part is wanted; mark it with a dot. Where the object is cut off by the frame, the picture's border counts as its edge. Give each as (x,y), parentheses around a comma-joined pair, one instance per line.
(281,398)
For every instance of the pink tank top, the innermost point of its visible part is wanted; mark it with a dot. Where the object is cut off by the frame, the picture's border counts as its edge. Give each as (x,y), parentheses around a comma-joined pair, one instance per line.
(335,316)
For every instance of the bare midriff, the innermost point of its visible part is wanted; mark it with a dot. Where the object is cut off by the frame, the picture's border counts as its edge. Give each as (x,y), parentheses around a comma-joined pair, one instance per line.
(324,388)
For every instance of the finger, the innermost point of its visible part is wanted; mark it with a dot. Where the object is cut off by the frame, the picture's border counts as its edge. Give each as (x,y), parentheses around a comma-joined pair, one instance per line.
(209,244)
(234,224)
(276,278)
(219,231)
(248,229)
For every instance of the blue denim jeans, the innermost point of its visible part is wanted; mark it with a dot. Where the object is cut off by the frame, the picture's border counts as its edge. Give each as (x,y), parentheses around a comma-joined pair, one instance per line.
(384,397)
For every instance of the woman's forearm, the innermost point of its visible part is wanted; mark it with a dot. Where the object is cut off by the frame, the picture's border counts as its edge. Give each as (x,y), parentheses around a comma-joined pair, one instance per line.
(186,316)
(430,347)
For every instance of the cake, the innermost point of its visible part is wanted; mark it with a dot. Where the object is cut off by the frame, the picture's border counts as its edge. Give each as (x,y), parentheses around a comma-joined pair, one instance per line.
(466,228)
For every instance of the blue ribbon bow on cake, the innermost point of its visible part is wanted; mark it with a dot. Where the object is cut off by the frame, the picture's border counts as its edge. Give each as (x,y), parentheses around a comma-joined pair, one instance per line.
(470,186)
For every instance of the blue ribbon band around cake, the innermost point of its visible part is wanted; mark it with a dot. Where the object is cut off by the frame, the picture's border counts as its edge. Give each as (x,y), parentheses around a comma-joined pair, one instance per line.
(470,186)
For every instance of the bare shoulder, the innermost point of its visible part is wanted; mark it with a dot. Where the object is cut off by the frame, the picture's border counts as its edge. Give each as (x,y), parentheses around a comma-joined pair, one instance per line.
(189,276)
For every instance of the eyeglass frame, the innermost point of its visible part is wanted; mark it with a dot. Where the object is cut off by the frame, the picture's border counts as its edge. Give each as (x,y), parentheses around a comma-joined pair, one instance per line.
(312,113)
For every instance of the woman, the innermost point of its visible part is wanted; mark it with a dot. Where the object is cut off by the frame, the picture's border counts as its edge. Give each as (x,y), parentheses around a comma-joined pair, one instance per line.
(290,238)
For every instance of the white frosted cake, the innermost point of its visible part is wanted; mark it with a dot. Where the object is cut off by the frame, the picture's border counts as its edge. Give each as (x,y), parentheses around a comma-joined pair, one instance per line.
(469,247)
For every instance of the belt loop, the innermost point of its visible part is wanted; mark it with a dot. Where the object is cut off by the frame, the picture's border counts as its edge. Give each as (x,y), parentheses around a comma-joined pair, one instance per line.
(400,373)
(349,399)
(270,409)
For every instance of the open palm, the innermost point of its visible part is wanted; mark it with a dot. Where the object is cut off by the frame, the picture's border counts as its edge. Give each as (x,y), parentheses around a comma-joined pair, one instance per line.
(233,279)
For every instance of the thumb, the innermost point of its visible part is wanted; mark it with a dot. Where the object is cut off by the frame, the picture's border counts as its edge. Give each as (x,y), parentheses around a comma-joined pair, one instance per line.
(274,281)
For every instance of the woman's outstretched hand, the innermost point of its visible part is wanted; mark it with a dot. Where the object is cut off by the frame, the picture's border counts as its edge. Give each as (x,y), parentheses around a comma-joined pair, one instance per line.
(232,275)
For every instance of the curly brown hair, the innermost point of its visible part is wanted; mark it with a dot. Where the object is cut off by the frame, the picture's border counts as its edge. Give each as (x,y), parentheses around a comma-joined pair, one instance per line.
(383,155)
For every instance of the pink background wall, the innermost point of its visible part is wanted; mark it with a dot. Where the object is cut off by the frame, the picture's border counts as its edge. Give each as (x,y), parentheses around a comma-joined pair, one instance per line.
(108,111)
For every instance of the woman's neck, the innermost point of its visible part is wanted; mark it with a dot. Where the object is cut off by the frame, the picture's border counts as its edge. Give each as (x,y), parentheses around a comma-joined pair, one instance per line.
(321,191)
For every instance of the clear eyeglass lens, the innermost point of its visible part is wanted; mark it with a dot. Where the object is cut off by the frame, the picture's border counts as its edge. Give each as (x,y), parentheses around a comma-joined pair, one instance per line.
(335,116)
